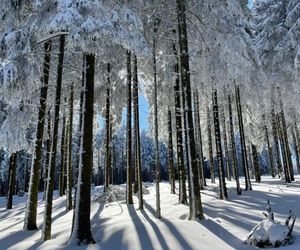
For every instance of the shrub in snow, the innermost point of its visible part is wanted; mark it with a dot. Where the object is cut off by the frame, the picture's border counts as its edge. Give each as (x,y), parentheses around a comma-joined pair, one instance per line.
(270,233)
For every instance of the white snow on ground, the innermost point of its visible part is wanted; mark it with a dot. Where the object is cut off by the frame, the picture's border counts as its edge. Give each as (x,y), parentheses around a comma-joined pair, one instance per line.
(226,225)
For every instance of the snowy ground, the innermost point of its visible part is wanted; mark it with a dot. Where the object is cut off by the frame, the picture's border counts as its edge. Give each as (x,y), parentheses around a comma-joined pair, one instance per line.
(226,224)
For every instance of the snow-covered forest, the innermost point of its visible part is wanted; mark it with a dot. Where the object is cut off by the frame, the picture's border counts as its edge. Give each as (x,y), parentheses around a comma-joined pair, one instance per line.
(218,166)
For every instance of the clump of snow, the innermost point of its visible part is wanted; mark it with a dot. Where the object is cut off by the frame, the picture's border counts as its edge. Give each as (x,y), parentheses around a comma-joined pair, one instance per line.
(269,233)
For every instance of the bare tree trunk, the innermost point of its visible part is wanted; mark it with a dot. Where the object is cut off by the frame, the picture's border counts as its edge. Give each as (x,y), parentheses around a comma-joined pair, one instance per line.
(197,210)
(276,143)
(70,140)
(62,161)
(81,229)
(270,153)
(138,176)
(297,145)
(46,235)
(222,183)
(31,204)
(107,125)
(48,154)
(170,154)
(227,161)
(242,138)
(233,149)
(256,164)
(12,180)
(210,146)
(129,199)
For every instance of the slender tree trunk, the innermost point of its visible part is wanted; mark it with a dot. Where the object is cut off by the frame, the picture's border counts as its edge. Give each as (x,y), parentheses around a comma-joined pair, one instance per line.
(276,144)
(297,144)
(179,140)
(197,210)
(129,199)
(256,164)
(222,183)
(227,161)
(81,233)
(46,234)
(282,147)
(48,154)
(157,158)
(107,125)
(31,205)
(233,149)
(199,141)
(270,153)
(286,145)
(137,134)
(62,161)
(242,138)
(210,146)
(170,153)
(69,148)
(250,162)
(12,180)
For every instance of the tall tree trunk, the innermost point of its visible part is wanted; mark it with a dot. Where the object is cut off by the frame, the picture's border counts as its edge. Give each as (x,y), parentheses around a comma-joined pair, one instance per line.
(286,145)
(179,140)
(270,153)
(256,164)
(157,158)
(48,153)
(69,148)
(197,210)
(282,147)
(46,234)
(129,199)
(63,160)
(170,153)
(242,139)
(222,183)
(227,162)
(250,162)
(233,149)
(199,141)
(138,176)
(297,144)
(12,180)
(81,233)
(107,125)
(276,143)
(210,146)
(31,204)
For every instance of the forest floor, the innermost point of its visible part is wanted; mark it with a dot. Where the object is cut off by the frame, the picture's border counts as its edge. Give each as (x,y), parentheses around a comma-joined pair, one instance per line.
(118,226)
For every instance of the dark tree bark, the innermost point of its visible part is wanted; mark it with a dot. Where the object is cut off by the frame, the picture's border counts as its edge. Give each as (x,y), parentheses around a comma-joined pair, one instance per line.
(242,139)
(226,155)
(107,126)
(138,177)
(48,153)
(170,154)
(46,235)
(276,143)
(233,149)
(271,162)
(129,199)
(62,159)
(222,183)
(11,180)
(179,140)
(196,204)
(69,148)
(256,164)
(210,146)
(81,232)
(297,145)
(31,205)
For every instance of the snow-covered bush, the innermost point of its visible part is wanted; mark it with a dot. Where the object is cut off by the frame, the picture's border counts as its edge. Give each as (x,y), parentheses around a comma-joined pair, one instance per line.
(269,233)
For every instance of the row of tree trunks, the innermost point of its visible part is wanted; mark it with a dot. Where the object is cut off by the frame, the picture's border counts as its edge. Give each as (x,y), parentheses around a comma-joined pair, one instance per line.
(242,139)
(170,153)
(31,205)
(195,202)
(222,183)
(233,149)
(46,234)
(138,177)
